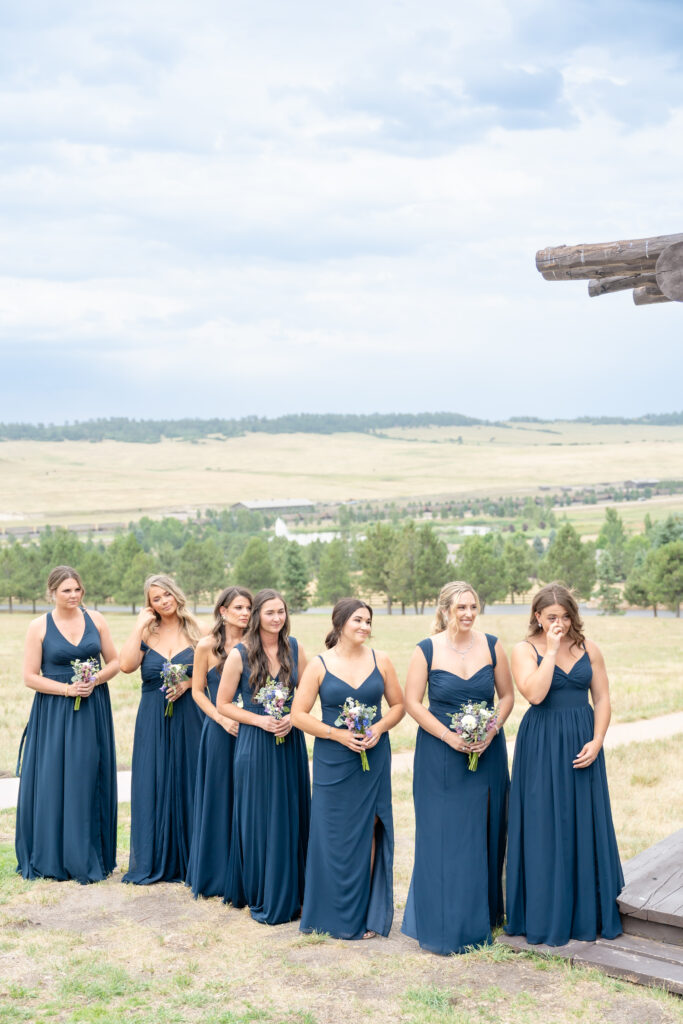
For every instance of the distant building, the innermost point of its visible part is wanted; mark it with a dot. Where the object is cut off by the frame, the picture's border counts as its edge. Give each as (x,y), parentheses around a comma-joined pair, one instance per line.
(286,506)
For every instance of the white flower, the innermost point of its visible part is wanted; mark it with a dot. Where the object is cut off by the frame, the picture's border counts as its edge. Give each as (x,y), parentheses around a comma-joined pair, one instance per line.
(469,722)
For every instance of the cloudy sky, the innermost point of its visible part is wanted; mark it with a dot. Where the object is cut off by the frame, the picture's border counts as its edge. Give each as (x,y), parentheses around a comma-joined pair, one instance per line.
(223,208)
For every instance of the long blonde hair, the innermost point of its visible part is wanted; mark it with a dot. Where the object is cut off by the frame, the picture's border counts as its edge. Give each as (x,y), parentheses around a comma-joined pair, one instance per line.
(447,595)
(188,623)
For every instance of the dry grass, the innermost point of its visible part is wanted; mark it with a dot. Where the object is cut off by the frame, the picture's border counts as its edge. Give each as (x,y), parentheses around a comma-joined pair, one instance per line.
(125,481)
(641,654)
(111,953)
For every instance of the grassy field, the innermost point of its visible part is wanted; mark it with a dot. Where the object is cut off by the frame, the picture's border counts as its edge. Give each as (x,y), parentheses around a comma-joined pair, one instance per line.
(80,482)
(111,953)
(642,656)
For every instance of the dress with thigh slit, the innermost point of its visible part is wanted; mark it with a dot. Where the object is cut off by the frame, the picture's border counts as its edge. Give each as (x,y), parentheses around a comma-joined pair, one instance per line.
(456,896)
(343,897)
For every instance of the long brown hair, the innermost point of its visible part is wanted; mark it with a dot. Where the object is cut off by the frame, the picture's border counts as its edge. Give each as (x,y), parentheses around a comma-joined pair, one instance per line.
(224,600)
(447,596)
(341,613)
(557,593)
(256,656)
(188,623)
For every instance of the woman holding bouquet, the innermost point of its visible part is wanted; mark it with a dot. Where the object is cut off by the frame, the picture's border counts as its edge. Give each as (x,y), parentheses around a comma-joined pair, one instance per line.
(167,732)
(272,797)
(213,791)
(563,870)
(456,895)
(66,811)
(349,873)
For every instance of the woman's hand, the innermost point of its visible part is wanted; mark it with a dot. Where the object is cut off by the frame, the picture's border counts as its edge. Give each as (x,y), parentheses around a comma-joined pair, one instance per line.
(353,740)
(145,619)
(587,754)
(175,692)
(230,726)
(479,748)
(83,688)
(554,638)
(371,738)
(276,726)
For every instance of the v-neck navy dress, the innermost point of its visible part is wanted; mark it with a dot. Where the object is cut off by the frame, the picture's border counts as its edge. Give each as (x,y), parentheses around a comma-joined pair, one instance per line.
(271,815)
(165,751)
(342,898)
(456,894)
(212,804)
(563,869)
(67,806)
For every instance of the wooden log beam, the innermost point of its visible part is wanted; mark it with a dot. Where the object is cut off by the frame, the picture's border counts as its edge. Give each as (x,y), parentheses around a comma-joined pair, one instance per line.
(669,272)
(648,295)
(607,285)
(631,254)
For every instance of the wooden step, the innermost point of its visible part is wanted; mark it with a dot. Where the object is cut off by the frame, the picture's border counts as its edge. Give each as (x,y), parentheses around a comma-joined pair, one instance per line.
(653,886)
(640,960)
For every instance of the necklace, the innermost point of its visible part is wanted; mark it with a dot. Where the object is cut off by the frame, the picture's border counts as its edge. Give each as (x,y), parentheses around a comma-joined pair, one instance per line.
(461,653)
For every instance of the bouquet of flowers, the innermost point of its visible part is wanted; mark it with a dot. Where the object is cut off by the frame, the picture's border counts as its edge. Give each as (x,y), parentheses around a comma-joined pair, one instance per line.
(84,672)
(472,723)
(171,674)
(357,718)
(274,697)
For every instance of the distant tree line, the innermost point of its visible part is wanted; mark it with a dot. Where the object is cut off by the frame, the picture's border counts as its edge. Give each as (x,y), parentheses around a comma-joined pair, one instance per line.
(404,564)
(120,428)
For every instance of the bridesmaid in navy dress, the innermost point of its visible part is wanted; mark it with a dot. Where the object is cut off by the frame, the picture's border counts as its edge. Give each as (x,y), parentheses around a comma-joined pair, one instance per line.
(272,795)
(456,895)
(349,871)
(213,791)
(165,748)
(67,806)
(563,869)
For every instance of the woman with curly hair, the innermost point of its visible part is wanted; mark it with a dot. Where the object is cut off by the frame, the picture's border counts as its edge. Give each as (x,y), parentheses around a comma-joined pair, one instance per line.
(563,870)
(167,732)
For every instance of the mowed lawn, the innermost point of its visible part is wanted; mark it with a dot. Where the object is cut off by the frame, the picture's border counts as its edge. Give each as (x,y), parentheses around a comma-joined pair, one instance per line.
(78,482)
(642,655)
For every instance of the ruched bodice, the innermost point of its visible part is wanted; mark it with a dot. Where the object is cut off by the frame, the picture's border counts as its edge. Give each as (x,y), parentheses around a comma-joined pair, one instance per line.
(153,662)
(58,652)
(568,689)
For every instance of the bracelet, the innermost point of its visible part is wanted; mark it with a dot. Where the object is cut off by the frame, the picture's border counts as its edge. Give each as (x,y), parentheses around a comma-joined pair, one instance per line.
(66,689)
(329,732)
(444,733)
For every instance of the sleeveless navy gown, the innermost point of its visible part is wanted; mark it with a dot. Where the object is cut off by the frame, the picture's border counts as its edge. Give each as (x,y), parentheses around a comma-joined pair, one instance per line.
(271,816)
(163,780)
(212,805)
(342,898)
(456,896)
(67,806)
(563,869)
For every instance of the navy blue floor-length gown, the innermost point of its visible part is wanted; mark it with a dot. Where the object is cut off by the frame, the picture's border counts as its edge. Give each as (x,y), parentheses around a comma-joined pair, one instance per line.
(271,815)
(563,869)
(212,805)
(165,751)
(67,805)
(456,894)
(341,897)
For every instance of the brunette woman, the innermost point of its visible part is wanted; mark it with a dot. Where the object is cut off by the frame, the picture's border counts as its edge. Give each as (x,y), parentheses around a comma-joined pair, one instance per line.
(66,811)
(563,870)
(456,895)
(165,745)
(349,871)
(272,797)
(213,791)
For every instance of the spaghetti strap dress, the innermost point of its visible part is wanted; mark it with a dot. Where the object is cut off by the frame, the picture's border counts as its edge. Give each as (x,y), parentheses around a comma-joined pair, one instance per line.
(271,815)
(165,751)
(67,805)
(456,895)
(210,848)
(563,869)
(342,896)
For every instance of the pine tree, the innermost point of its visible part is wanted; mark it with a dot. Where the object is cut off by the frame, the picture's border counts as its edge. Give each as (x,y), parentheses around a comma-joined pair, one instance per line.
(334,578)
(478,564)
(374,555)
(295,578)
(570,561)
(253,568)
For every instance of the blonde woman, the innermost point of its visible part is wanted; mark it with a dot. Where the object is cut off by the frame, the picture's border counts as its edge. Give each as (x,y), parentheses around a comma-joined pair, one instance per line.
(167,733)
(66,812)
(456,896)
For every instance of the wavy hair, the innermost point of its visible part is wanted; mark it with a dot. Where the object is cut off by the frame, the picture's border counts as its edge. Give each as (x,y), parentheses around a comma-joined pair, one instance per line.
(341,613)
(58,575)
(557,593)
(447,595)
(188,623)
(257,661)
(224,600)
